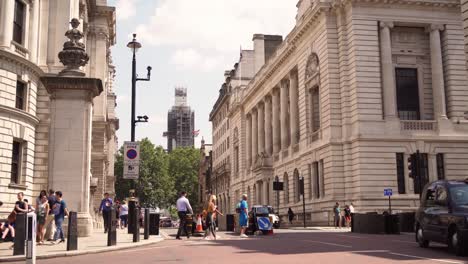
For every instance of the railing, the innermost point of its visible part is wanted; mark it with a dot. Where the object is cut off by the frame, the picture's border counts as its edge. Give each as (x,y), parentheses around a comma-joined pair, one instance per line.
(419,125)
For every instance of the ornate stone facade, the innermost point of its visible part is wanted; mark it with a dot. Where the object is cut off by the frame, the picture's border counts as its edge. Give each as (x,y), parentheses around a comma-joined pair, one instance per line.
(355,88)
(29,51)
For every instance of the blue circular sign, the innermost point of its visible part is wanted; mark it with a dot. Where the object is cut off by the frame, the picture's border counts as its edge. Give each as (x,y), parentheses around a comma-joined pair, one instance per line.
(132,154)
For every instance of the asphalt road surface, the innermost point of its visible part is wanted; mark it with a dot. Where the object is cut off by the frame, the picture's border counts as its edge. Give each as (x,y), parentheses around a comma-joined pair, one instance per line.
(285,246)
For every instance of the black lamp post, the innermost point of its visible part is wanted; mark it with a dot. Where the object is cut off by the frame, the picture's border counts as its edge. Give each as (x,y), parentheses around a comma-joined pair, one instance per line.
(134,47)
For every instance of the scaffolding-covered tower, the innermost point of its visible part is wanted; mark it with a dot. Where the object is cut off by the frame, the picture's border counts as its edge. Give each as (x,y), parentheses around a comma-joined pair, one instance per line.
(180,122)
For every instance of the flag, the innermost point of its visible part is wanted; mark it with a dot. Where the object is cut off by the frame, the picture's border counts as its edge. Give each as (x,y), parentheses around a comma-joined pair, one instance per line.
(195,133)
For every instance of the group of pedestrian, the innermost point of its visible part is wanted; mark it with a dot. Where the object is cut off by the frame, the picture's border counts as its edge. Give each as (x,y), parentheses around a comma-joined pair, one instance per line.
(342,216)
(121,212)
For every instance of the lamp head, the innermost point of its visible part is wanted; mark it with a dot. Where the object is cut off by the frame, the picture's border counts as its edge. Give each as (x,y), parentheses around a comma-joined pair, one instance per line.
(134,45)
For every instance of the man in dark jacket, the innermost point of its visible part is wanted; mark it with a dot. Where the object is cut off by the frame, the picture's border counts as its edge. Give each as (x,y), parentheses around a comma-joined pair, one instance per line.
(105,209)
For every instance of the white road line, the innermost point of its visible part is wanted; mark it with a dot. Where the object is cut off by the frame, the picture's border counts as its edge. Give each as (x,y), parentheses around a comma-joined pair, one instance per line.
(349,236)
(330,244)
(431,259)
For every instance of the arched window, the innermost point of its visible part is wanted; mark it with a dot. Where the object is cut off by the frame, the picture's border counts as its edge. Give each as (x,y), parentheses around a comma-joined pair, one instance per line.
(297,193)
(286,188)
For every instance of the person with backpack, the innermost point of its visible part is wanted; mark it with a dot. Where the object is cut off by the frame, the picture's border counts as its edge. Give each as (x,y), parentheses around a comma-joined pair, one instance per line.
(243,216)
(60,210)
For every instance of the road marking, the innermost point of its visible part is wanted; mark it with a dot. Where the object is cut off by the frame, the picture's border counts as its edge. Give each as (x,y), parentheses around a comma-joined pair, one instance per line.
(330,244)
(417,257)
(349,236)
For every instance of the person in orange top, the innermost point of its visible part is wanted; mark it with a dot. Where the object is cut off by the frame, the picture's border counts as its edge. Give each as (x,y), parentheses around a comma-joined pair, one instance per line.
(210,216)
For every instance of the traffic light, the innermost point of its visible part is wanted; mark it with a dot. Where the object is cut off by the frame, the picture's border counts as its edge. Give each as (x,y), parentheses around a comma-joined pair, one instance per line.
(412,167)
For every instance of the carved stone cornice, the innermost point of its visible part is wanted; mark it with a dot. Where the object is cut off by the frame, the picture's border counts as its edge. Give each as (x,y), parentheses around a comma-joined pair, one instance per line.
(21,61)
(386,24)
(434,27)
(20,114)
(53,83)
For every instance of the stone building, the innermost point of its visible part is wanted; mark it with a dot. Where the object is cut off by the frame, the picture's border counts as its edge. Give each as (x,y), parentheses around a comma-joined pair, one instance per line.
(180,122)
(31,37)
(352,91)
(204,173)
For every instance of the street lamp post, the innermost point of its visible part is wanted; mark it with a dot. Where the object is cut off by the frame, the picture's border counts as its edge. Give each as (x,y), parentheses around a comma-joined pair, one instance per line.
(134,46)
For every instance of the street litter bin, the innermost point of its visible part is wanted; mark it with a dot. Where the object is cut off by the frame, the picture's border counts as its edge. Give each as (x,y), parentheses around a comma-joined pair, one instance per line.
(154,224)
(392,224)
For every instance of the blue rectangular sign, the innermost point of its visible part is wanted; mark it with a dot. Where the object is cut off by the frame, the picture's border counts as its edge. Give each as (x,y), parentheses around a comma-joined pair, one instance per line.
(388,192)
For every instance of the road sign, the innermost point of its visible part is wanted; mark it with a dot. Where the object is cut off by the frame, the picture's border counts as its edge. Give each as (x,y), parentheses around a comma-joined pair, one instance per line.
(131,160)
(277,186)
(388,192)
(264,223)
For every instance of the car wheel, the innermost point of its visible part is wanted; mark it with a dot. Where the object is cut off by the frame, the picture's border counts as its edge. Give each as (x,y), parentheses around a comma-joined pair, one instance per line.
(424,243)
(455,243)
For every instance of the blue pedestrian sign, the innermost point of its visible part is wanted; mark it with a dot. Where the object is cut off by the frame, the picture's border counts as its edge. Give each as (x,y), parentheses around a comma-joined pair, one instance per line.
(264,223)
(388,192)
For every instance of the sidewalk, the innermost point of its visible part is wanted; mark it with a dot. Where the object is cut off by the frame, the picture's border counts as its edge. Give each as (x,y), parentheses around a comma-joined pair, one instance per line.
(322,228)
(94,244)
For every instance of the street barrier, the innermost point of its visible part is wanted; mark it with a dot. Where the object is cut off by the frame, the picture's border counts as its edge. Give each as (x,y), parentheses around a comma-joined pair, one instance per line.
(373,223)
(20,234)
(146,223)
(112,228)
(230,222)
(154,224)
(31,239)
(136,225)
(72,234)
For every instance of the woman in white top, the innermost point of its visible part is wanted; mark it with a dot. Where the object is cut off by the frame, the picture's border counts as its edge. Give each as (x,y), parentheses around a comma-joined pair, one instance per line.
(123,215)
(42,214)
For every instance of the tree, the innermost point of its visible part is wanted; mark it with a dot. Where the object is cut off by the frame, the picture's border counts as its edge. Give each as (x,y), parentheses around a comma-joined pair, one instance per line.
(183,168)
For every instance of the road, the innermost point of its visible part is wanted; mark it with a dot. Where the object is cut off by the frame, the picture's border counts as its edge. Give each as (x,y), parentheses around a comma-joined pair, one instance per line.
(285,246)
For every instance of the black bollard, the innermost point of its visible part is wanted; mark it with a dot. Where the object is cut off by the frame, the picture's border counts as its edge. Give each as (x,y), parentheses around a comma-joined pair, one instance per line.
(72,235)
(146,223)
(20,237)
(154,224)
(112,229)
(136,225)
(131,210)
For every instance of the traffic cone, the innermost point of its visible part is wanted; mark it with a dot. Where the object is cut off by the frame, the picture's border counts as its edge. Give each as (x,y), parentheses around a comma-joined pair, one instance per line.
(199,224)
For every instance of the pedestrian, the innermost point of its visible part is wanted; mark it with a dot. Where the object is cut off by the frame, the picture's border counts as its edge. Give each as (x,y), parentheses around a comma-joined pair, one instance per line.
(243,216)
(183,207)
(60,210)
(50,221)
(21,207)
(117,212)
(123,213)
(351,208)
(42,214)
(337,213)
(30,207)
(290,215)
(210,217)
(105,209)
(39,198)
(347,215)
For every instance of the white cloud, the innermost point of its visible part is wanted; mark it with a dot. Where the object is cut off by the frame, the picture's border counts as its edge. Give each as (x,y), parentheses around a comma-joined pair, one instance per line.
(207,31)
(125,9)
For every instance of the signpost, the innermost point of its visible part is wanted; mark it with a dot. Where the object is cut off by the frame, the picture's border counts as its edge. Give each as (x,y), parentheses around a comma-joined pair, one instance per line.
(277,186)
(389,193)
(131,160)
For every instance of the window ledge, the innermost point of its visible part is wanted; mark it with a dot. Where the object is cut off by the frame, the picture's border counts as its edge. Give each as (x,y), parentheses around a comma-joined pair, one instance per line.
(17,186)
(20,49)
(27,117)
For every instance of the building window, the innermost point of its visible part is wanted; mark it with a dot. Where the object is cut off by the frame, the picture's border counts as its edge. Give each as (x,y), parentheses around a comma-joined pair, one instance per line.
(236,160)
(400,162)
(297,187)
(286,188)
(407,93)
(440,166)
(16,162)
(314,109)
(18,21)
(423,179)
(316,180)
(20,95)
(322,178)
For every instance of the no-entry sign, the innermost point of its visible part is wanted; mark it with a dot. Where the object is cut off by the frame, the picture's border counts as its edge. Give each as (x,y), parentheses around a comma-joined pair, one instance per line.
(131,160)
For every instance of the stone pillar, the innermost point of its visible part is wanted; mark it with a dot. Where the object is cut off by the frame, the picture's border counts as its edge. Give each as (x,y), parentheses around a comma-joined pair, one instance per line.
(261,128)
(268,135)
(388,76)
(284,93)
(248,135)
(71,110)
(6,22)
(254,135)
(294,108)
(438,89)
(33,41)
(275,101)
(265,192)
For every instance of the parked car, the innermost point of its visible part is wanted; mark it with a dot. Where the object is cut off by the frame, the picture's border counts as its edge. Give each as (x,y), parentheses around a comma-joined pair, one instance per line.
(443,215)
(165,222)
(275,218)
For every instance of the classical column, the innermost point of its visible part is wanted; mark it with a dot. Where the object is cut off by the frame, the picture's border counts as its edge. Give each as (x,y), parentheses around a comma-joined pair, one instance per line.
(6,22)
(268,135)
(294,108)
(254,135)
(275,101)
(261,128)
(248,135)
(438,89)
(33,40)
(284,93)
(389,87)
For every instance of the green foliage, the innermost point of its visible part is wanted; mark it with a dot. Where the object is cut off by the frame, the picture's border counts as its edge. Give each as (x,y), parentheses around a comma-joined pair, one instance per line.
(162,175)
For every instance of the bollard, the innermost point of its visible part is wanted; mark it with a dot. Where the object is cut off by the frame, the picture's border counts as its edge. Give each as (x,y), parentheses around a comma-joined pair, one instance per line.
(20,237)
(154,224)
(112,229)
(136,225)
(146,223)
(31,239)
(131,210)
(72,235)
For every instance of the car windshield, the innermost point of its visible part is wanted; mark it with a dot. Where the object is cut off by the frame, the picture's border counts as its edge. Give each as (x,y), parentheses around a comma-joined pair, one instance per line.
(270,210)
(261,210)
(459,194)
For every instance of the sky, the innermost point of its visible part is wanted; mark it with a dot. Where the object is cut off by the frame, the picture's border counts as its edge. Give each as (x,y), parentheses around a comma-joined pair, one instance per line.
(188,43)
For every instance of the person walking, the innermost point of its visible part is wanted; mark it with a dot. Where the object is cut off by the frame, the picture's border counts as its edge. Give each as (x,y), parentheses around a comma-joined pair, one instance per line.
(60,210)
(337,213)
(290,215)
(347,216)
(42,214)
(243,216)
(123,213)
(211,212)
(183,207)
(50,220)
(105,209)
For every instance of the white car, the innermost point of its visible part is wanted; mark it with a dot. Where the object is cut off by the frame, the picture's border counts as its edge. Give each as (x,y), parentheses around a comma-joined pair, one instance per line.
(274,217)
